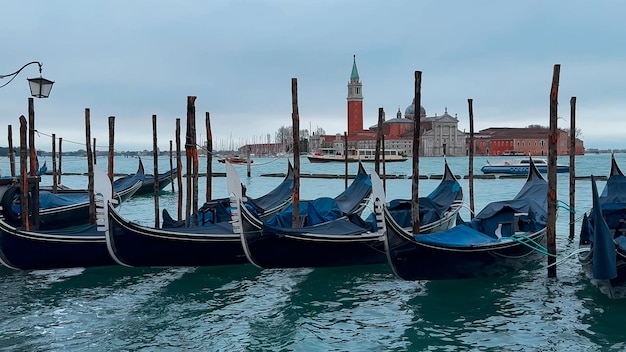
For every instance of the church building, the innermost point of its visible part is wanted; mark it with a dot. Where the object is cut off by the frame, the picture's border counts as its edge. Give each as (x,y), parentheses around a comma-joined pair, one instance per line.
(440,134)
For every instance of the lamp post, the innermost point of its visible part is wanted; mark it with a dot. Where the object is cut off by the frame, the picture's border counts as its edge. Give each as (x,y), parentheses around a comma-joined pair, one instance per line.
(39,87)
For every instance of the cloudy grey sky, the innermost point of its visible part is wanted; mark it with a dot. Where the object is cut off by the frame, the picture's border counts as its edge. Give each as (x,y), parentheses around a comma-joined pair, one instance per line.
(132,59)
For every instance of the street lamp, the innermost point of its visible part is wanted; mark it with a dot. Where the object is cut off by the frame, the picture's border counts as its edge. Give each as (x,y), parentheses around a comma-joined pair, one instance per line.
(39,86)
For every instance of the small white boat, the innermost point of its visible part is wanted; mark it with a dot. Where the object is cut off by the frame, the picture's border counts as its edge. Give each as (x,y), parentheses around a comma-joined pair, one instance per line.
(324,155)
(520,167)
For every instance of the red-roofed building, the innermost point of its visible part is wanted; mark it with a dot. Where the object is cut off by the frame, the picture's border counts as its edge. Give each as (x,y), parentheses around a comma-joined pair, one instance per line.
(522,141)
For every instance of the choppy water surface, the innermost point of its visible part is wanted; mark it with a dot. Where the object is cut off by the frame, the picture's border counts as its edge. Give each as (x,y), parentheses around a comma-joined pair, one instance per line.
(362,308)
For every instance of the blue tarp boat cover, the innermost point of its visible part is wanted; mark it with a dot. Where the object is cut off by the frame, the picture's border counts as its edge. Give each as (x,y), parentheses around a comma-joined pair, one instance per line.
(50,200)
(350,199)
(342,226)
(431,207)
(276,197)
(528,209)
(458,236)
(312,212)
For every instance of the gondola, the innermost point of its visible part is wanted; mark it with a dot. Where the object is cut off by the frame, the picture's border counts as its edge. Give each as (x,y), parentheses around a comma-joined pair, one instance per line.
(602,240)
(328,237)
(66,207)
(211,243)
(78,246)
(216,210)
(500,238)
(164,179)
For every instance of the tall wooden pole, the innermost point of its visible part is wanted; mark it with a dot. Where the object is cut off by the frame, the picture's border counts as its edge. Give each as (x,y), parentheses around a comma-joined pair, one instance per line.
(24,174)
(155,155)
(179,165)
(11,151)
(384,165)
(90,180)
(552,155)
(195,165)
(295,117)
(190,151)
(345,157)
(471,156)
(54,164)
(111,156)
(379,137)
(172,167)
(248,161)
(572,167)
(209,158)
(415,204)
(34,167)
(95,152)
(60,161)
(31,138)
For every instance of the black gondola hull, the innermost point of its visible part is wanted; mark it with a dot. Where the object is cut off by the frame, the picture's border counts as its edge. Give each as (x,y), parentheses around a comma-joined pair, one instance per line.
(275,251)
(27,250)
(412,260)
(134,245)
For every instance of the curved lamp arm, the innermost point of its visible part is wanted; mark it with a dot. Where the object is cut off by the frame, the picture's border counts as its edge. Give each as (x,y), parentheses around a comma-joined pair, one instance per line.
(14,74)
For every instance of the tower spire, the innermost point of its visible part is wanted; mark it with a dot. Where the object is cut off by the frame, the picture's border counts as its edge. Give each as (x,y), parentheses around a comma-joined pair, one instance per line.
(355,101)
(355,73)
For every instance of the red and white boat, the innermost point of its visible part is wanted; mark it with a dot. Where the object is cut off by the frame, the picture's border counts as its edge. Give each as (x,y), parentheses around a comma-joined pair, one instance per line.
(235,159)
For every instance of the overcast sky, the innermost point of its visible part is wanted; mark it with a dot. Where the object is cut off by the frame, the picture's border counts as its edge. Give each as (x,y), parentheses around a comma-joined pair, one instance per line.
(132,59)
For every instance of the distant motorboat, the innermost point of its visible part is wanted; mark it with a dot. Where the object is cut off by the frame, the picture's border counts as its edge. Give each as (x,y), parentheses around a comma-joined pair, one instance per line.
(325,155)
(234,159)
(520,167)
(513,153)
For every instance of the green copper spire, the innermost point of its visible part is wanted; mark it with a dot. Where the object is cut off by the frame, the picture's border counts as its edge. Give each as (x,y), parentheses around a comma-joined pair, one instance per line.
(355,72)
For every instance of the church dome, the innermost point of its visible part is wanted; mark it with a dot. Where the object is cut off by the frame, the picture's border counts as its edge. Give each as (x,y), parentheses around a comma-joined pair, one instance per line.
(410,110)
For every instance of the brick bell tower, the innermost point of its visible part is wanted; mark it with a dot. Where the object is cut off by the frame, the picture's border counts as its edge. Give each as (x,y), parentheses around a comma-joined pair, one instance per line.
(355,102)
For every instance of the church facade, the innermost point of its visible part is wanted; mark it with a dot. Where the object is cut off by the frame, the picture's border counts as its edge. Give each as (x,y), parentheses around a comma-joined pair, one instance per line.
(440,134)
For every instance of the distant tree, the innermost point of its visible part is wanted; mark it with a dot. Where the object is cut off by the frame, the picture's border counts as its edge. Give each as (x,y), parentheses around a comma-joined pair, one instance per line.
(578,133)
(537,127)
(284,135)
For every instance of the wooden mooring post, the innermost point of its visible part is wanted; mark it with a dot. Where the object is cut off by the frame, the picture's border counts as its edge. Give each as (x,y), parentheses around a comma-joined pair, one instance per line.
(209,158)
(24,174)
(379,138)
(552,186)
(55,184)
(248,161)
(295,117)
(192,161)
(572,167)
(415,203)
(179,165)
(155,155)
(33,183)
(90,157)
(172,167)
(11,151)
(470,106)
(345,158)
(111,156)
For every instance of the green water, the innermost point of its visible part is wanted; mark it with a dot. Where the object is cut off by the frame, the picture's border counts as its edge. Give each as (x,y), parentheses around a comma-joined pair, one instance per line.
(360,308)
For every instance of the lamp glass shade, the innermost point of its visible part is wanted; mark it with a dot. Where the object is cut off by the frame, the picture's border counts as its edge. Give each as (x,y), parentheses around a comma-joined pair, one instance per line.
(40,87)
